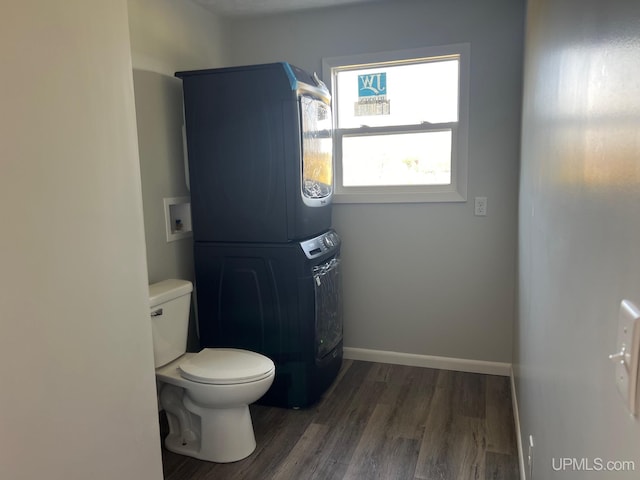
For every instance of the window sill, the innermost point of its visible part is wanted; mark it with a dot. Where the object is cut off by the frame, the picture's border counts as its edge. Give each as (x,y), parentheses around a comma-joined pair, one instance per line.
(380,197)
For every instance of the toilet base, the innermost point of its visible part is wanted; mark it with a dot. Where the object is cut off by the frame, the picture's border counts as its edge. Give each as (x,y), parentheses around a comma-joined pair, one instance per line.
(216,435)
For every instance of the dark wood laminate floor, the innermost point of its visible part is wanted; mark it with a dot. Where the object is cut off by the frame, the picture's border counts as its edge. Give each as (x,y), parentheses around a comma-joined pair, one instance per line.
(380,421)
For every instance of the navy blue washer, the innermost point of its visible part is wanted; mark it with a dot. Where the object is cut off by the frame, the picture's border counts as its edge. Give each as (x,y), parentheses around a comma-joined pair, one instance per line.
(273,299)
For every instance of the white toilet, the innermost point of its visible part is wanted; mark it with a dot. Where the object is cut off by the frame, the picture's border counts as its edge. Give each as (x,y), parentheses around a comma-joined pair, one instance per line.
(206,394)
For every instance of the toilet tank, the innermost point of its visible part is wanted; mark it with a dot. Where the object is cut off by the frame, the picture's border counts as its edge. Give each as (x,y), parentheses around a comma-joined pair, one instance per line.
(169,302)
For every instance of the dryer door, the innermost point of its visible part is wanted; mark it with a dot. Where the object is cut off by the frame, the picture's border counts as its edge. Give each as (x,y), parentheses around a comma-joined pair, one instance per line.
(317,151)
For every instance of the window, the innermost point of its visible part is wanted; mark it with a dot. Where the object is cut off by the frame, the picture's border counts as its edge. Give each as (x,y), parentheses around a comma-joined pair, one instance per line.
(400,125)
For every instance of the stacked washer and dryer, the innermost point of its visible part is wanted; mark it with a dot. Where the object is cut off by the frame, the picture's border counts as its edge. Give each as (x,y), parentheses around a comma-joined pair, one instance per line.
(267,263)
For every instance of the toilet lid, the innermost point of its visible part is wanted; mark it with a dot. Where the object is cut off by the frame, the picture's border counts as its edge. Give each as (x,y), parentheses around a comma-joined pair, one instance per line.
(224,366)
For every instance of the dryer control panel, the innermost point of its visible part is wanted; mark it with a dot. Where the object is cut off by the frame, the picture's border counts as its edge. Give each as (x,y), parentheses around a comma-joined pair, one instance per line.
(314,247)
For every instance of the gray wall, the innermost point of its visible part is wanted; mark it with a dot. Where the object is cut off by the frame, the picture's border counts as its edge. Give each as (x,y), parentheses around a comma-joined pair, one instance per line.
(167,36)
(76,359)
(579,230)
(159,122)
(424,278)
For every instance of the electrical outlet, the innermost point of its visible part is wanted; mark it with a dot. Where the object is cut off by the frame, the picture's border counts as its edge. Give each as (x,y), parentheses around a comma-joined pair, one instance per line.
(480,206)
(530,459)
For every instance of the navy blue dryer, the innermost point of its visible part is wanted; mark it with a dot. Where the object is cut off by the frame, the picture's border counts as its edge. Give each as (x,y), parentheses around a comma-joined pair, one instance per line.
(259,141)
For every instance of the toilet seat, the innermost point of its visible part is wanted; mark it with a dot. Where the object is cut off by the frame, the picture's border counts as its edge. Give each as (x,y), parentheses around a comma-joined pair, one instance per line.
(226,366)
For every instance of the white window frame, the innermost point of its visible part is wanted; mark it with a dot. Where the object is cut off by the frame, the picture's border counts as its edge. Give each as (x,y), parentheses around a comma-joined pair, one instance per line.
(456,191)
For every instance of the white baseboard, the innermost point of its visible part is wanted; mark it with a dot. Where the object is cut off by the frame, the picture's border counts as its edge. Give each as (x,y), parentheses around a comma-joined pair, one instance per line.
(516,419)
(429,361)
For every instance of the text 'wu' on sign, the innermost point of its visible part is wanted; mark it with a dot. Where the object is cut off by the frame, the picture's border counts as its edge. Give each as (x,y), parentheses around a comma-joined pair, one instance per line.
(372,95)
(372,84)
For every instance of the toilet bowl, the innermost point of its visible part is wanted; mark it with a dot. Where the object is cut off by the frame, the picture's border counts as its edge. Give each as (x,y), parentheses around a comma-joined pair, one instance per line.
(206,395)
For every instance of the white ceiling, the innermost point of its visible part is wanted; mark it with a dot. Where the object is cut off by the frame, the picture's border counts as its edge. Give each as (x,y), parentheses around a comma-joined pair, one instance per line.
(259,7)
